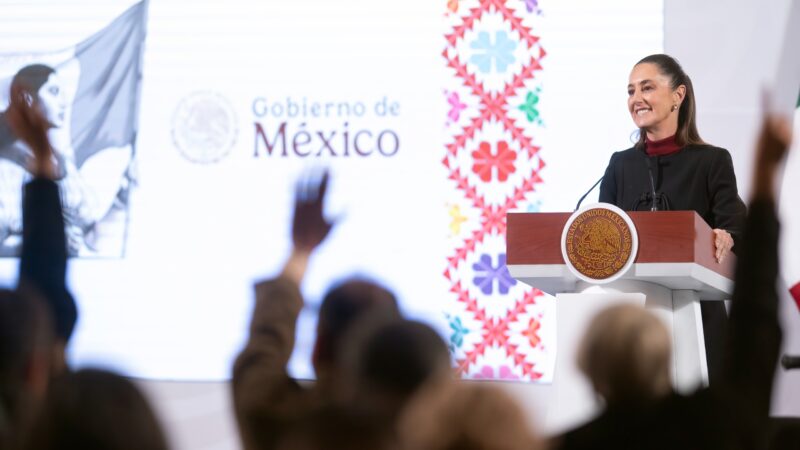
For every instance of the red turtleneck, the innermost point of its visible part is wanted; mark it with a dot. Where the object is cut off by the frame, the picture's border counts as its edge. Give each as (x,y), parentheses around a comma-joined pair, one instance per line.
(661,147)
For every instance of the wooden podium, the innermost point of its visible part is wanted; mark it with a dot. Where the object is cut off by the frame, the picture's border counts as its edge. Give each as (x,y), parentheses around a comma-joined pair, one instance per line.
(673,270)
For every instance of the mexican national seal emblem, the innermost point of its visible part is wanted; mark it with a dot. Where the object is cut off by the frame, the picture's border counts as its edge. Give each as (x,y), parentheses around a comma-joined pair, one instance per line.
(599,243)
(204,127)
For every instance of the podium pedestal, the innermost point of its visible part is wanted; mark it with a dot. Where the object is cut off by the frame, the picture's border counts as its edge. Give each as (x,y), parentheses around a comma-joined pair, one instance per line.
(673,270)
(679,310)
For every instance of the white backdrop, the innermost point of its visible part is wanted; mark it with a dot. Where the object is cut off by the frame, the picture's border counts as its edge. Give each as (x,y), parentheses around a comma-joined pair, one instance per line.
(728,55)
(228,90)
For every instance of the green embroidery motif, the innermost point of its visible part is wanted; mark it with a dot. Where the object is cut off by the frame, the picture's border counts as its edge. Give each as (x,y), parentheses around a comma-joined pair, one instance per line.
(530,107)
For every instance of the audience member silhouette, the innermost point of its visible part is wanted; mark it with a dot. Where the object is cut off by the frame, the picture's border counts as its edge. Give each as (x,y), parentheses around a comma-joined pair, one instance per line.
(26,350)
(43,258)
(88,409)
(391,363)
(465,416)
(385,363)
(37,320)
(268,403)
(96,410)
(625,354)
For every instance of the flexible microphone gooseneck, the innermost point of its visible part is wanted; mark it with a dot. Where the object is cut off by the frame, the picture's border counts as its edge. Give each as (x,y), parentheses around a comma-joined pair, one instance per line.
(587,192)
(652,183)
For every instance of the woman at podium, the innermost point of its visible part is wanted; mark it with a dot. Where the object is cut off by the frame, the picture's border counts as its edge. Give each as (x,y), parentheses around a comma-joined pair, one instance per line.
(671,168)
(687,173)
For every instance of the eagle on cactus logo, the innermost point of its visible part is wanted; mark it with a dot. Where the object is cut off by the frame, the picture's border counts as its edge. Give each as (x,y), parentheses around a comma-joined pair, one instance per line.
(599,243)
(204,127)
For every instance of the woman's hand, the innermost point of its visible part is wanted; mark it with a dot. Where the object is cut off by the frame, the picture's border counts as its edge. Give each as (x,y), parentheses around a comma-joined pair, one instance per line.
(723,243)
(309,226)
(30,126)
(772,148)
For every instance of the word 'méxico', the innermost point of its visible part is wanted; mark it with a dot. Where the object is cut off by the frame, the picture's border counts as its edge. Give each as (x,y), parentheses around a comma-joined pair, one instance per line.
(293,131)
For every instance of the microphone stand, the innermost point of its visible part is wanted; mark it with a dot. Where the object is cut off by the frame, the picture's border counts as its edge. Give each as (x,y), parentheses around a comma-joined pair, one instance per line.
(587,192)
(649,162)
(790,362)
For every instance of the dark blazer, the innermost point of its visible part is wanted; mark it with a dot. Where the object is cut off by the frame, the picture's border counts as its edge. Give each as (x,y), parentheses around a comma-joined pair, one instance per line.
(269,404)
(696,178)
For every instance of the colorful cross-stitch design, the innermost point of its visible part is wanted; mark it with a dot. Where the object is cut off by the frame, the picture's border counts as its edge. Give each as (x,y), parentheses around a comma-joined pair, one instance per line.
(493,55)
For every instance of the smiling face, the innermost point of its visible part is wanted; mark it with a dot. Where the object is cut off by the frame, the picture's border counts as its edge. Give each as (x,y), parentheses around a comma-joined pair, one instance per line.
(652,102)
(53,101)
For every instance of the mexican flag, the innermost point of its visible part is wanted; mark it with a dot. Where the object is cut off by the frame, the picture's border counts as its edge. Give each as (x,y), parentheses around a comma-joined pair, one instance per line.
(790,215)
(786,101)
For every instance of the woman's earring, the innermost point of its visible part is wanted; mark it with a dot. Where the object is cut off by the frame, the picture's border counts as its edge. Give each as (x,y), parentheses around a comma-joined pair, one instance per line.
(674,107)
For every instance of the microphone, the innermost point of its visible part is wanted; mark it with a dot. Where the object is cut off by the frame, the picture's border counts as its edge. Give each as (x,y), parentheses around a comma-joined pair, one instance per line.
(790,362)
(652,183)
(587,192)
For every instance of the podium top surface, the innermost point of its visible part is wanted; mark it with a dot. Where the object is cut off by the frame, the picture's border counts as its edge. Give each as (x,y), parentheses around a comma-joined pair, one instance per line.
(676,250)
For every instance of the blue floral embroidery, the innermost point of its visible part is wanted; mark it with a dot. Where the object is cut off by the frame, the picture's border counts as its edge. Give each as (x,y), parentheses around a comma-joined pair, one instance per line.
(501,51)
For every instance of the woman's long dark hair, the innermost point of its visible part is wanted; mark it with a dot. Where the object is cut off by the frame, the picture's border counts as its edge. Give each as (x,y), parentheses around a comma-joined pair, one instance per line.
(31,78)
(687,126)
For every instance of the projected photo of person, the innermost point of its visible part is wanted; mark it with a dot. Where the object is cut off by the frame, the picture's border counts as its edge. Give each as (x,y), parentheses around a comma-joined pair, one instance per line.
(90,208)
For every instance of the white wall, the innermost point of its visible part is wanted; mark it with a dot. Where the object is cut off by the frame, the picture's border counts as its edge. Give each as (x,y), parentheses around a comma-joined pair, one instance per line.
(730,50)
(195,415)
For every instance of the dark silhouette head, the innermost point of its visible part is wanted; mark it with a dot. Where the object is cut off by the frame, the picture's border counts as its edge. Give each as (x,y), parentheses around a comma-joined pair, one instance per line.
(340,311)
(465,416)
(625,353)
(394,361)
(95,409)
(26,351)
